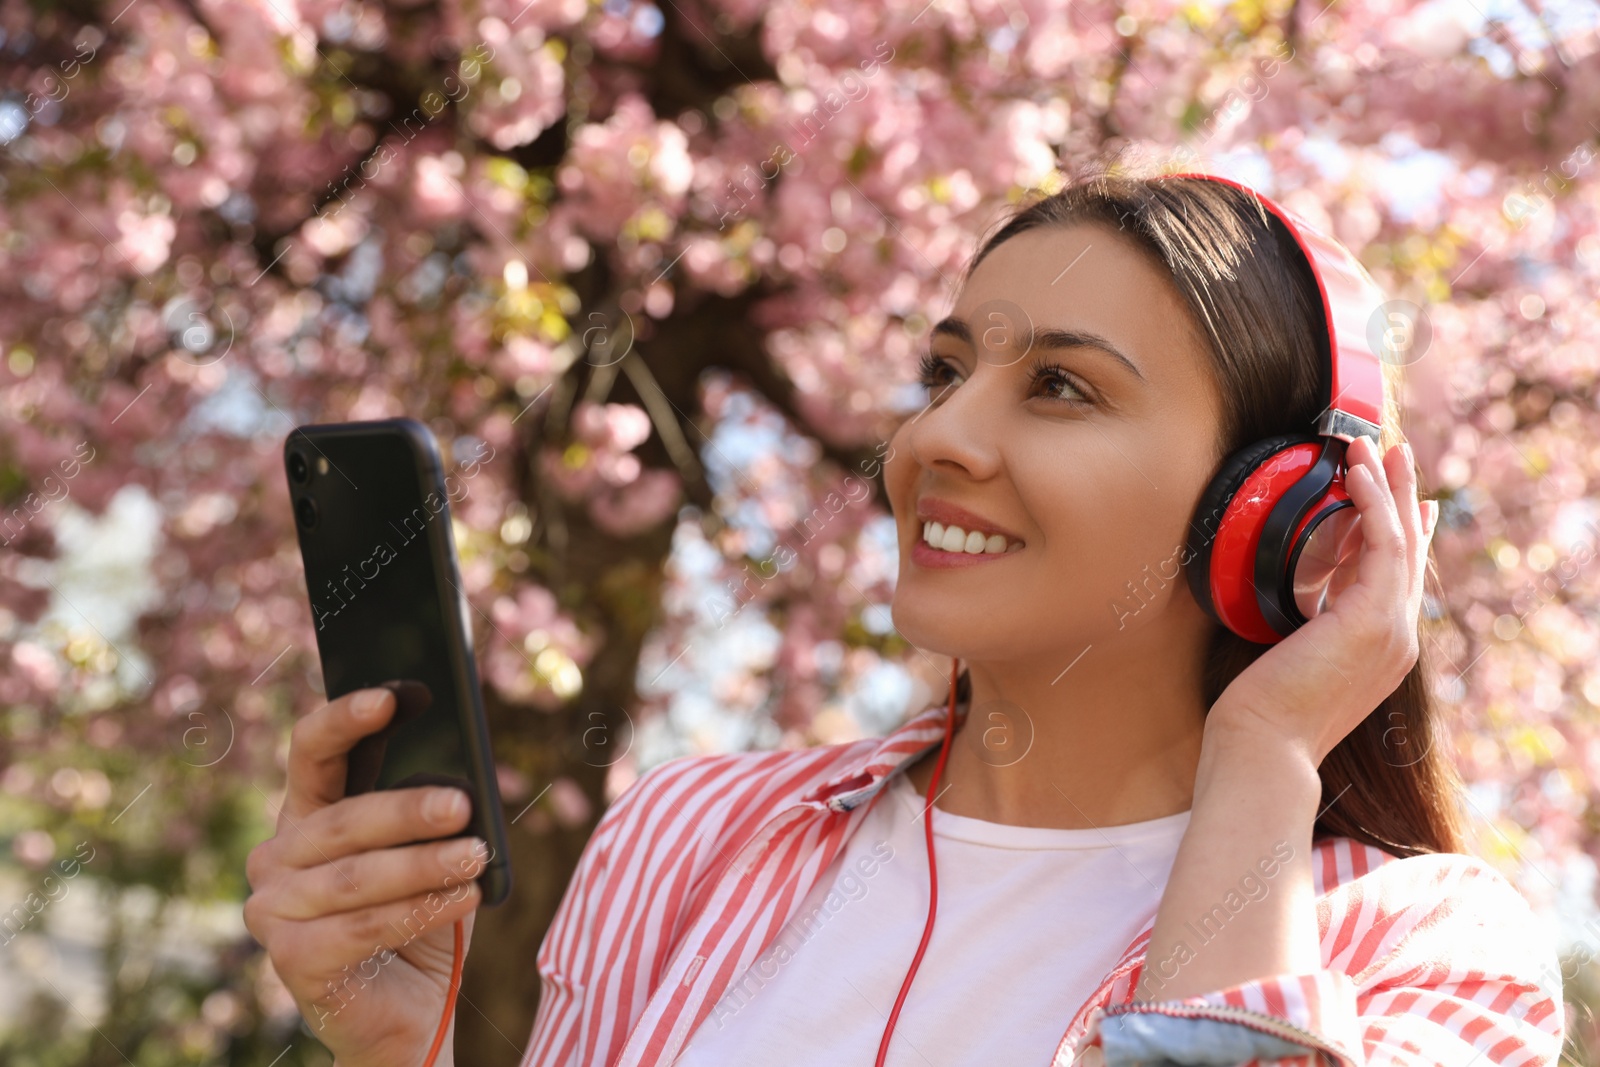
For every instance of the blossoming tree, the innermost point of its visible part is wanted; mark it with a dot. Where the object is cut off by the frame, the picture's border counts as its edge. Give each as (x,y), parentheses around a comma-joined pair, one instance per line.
(656,277)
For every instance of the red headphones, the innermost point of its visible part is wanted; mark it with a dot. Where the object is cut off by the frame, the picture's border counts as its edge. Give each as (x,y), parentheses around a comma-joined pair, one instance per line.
(1275,537)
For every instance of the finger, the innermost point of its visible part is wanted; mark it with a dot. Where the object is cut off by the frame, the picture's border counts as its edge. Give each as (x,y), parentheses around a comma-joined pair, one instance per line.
(1400,468)
(378,877)
(1382,555)
(319,950)
(1430,523)
(320,743)
(1377,465)
(1364,450)
(383,818)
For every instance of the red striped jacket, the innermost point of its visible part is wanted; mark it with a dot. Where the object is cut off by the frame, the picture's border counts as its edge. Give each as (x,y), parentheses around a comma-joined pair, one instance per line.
(1429,961)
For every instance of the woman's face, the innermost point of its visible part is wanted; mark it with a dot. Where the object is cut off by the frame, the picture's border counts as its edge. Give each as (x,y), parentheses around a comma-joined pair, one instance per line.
(1086,469)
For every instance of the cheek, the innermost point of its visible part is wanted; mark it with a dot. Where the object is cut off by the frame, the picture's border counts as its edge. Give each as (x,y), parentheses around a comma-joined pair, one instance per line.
(1102,521)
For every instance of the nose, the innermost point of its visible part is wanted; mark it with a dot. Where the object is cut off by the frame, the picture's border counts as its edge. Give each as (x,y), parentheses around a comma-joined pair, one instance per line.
(960,428)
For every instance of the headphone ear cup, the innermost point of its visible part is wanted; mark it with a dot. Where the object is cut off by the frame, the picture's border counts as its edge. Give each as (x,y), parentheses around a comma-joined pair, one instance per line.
(1215,509)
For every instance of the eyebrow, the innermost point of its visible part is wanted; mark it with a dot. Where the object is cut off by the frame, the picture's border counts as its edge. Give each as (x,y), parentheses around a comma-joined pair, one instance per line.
(1047,338)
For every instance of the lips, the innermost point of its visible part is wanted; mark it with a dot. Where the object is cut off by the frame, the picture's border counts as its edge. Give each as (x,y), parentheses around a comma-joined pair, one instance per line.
(932,509)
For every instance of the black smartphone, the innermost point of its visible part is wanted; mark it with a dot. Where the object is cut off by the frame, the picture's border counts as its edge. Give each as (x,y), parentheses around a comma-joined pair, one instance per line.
(372,512)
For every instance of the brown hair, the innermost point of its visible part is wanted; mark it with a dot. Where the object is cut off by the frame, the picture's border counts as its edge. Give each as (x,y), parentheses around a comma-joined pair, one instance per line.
(1391,782)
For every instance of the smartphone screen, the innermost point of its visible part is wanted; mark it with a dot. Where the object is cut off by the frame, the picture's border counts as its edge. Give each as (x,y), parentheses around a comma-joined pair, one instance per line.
(373,518)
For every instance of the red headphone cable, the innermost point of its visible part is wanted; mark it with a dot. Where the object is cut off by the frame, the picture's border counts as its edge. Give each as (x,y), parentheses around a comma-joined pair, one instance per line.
(933,875)
(449,997)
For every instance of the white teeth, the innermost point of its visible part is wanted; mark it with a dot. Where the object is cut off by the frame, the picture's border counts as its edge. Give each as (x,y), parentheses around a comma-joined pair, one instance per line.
(955,539)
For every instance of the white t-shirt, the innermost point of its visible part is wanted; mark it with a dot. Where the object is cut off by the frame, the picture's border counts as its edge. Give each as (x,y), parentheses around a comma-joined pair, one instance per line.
(1029,920)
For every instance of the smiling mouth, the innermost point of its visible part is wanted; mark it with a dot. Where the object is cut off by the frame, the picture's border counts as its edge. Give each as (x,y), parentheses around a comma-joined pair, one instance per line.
(956,540)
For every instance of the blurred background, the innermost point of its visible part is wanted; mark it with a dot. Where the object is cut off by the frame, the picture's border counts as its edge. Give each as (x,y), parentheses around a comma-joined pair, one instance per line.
(656,276)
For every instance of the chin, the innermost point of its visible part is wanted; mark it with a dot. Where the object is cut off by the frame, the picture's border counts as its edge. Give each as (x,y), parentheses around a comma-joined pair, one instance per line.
(907,623)
(933,624)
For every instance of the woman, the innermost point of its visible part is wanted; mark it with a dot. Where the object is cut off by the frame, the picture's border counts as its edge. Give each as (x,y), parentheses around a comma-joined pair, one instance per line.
(1159,842)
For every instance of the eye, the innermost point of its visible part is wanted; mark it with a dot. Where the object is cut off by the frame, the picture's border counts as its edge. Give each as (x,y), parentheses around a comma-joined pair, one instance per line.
(936,375)
(1054,377)
(932,372)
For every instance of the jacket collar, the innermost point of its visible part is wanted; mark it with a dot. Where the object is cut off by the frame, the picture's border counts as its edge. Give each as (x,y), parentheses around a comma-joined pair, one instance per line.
(886,757)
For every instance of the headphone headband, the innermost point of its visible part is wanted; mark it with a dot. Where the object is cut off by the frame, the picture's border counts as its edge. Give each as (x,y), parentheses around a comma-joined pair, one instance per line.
(1276,536)
(1350,299)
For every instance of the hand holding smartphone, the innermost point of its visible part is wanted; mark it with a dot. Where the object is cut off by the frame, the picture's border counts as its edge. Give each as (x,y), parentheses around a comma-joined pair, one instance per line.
(372,513)
(372,874)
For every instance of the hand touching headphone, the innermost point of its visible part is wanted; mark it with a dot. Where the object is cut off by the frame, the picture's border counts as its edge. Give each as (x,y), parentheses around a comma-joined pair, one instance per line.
(1275,536)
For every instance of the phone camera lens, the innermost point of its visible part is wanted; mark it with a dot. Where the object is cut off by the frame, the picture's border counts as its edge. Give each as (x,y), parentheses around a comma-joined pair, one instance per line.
(299,469)
(305,509)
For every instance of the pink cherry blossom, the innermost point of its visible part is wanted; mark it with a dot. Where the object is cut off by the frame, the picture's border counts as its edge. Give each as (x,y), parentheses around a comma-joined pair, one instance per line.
(659,289)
